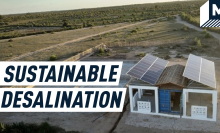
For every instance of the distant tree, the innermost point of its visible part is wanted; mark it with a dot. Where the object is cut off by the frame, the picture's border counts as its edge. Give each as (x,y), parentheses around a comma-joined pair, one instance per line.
(65,23)
(84,24)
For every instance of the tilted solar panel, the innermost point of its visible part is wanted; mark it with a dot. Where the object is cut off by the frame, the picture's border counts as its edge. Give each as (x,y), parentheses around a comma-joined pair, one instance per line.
(148,69)
(192,69)
(142,66)
(200,70)
(154,72)
(207,75)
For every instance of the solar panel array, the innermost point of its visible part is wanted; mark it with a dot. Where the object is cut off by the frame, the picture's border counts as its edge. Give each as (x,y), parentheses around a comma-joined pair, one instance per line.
(148,69)
(200,70)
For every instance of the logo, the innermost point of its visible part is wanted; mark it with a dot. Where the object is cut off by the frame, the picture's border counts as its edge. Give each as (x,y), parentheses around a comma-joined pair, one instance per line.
(210,14)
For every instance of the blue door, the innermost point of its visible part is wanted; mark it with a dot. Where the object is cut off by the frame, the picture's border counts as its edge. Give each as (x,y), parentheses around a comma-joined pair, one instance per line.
(164,101)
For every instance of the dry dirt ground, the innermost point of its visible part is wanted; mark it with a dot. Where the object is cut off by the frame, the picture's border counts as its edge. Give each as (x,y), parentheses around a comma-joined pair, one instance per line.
(104,122)
(114,28)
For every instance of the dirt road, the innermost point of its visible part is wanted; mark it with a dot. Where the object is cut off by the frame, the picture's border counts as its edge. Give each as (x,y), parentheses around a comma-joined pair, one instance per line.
(75,40)
(179,20)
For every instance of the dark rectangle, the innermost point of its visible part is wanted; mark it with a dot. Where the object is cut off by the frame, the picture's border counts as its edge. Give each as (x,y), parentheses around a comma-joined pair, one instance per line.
(154,72)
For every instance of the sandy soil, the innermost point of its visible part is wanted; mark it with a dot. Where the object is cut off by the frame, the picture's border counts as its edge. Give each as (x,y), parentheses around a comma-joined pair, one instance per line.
(75,40)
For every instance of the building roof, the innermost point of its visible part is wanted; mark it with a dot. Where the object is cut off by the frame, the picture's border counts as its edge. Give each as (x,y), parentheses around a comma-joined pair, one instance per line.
(200,70)
(173,74)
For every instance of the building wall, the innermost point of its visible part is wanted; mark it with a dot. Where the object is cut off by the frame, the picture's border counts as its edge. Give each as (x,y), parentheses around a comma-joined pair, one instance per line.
(185,100)
(170,86)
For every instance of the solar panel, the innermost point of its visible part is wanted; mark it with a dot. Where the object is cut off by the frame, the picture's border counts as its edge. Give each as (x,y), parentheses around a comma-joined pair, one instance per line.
(148,69)
(200,70)
(142,66)
(154,72)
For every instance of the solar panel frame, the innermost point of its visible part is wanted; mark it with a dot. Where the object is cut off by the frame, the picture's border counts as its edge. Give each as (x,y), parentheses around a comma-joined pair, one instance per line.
(207,73)
(142,66)
(193,67)
(154,72)
(200,70)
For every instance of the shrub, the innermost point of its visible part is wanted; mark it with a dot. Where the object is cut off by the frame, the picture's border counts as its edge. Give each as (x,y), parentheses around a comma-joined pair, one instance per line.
(10,40)
(11,45)
(108,54)
(100,54)
(167,57)
(207,35)
(65,23)
(101,51)
(90,24)
(141,55)
(134,31)
(189,18)
(197,42)
(185,28)
(53,57)
(22,127)
(175,29)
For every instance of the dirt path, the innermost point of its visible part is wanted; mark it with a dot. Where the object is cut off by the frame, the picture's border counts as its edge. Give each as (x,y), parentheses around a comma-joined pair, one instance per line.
(215,35)
(75,40)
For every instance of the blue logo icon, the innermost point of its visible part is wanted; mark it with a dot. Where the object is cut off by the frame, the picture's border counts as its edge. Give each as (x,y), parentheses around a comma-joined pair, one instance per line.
(210,14)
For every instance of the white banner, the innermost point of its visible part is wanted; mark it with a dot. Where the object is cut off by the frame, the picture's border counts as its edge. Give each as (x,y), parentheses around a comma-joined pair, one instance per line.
(62,99)
(60,73)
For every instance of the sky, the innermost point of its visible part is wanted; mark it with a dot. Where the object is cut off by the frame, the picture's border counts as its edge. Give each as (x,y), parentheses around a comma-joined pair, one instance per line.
(25,6)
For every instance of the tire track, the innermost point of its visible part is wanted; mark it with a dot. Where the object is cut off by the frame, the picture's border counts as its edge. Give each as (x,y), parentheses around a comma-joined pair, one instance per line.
(75,40)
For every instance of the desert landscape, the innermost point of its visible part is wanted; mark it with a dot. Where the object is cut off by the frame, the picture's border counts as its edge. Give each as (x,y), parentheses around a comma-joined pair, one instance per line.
(126,33)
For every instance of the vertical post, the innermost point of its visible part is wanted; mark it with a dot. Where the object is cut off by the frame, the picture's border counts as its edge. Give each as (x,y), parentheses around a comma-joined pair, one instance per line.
(214,103)
(156,100)
(187,96)
(139,93)
(131,98)
(184,102)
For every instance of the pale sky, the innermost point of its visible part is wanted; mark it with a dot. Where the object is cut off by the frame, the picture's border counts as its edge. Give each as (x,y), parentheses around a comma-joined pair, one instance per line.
(25,6)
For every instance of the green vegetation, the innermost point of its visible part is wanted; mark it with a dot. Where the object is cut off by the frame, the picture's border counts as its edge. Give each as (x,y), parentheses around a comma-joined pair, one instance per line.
(192,16)
(101,52)
(207,35)
(197,42)
(185,28)
(141,55)
(134,31)
(190,19)
(11,45)
(46,22)
(53,57)
(22,127)
(167,57)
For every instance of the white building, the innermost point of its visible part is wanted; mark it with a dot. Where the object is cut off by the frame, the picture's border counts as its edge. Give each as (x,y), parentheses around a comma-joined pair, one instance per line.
(177,91)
